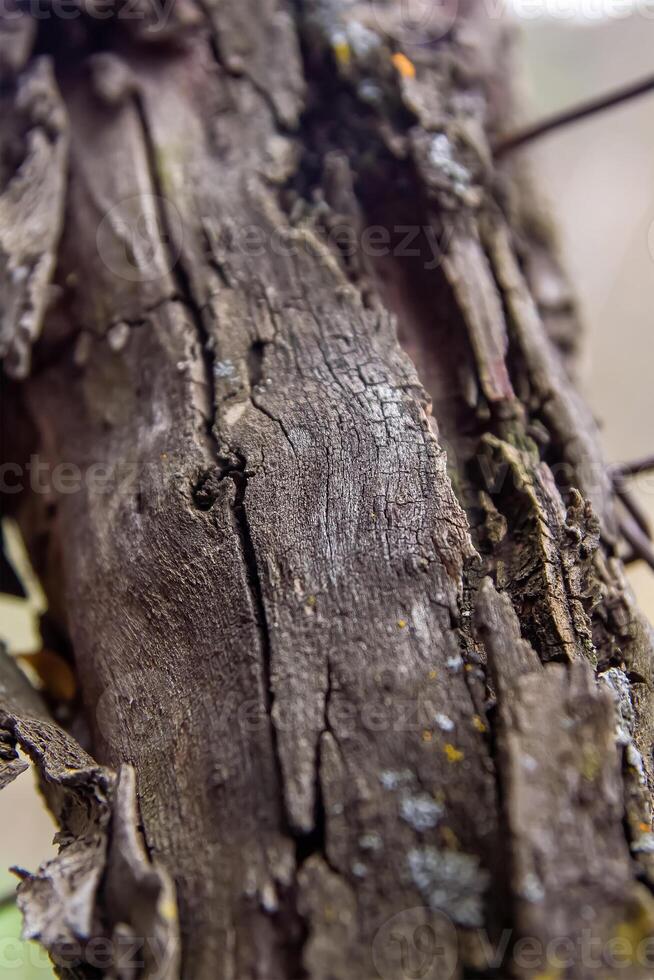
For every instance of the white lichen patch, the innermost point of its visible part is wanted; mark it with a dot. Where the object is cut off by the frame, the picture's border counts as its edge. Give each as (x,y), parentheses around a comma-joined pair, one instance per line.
(268,898)
(455,662)
(421,811)
(395,778)
(643,844)
(441,156)
(223,369)
(370,92)
(363,41)
(635,761)
(371,842)
(281,158)
(451,882)
(117,336)
(532,888)
(444,722)
(19,273)
(617,683)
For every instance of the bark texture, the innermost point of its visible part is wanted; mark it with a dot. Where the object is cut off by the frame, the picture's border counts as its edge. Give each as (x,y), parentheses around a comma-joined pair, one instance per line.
(341,577)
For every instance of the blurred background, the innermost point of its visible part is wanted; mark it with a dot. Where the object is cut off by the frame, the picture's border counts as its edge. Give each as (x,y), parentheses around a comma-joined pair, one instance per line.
(598,177)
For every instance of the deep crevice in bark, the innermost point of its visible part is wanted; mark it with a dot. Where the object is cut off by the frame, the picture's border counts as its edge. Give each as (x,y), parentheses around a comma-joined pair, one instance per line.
(205,345)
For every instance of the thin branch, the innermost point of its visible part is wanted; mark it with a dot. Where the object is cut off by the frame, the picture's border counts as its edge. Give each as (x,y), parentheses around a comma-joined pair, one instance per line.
(635,468)
(512,141)
(639,543)
(634,509)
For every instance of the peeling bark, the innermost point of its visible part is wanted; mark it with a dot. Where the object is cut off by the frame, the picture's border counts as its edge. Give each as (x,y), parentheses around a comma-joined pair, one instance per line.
(32,186)
(344,597)
(101,884)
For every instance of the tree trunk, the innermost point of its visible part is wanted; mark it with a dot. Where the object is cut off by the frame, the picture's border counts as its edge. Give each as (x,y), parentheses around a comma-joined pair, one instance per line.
(319,510)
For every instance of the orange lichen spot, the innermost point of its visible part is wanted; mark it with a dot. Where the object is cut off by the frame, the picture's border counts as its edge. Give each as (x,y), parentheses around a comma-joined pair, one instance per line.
(164,455)
(427,736)
(311,600)
(479,724)
(406,68)
(645,827)
(401,624)
(468,668)
(433,674)
(453,754)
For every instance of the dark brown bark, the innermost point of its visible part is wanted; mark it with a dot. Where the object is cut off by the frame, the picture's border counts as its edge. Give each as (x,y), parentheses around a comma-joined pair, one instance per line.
(358,684)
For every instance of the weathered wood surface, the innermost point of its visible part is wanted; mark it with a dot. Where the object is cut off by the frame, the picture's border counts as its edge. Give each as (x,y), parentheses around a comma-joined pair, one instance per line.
(356,677)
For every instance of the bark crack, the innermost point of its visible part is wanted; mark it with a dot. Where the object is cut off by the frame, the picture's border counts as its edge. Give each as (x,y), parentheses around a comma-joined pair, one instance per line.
(178,269)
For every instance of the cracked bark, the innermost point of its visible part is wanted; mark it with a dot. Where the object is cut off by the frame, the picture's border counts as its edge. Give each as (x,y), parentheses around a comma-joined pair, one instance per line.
(349,676)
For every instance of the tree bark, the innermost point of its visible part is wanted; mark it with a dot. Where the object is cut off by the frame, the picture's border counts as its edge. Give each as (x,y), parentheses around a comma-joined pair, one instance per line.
(337,556)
